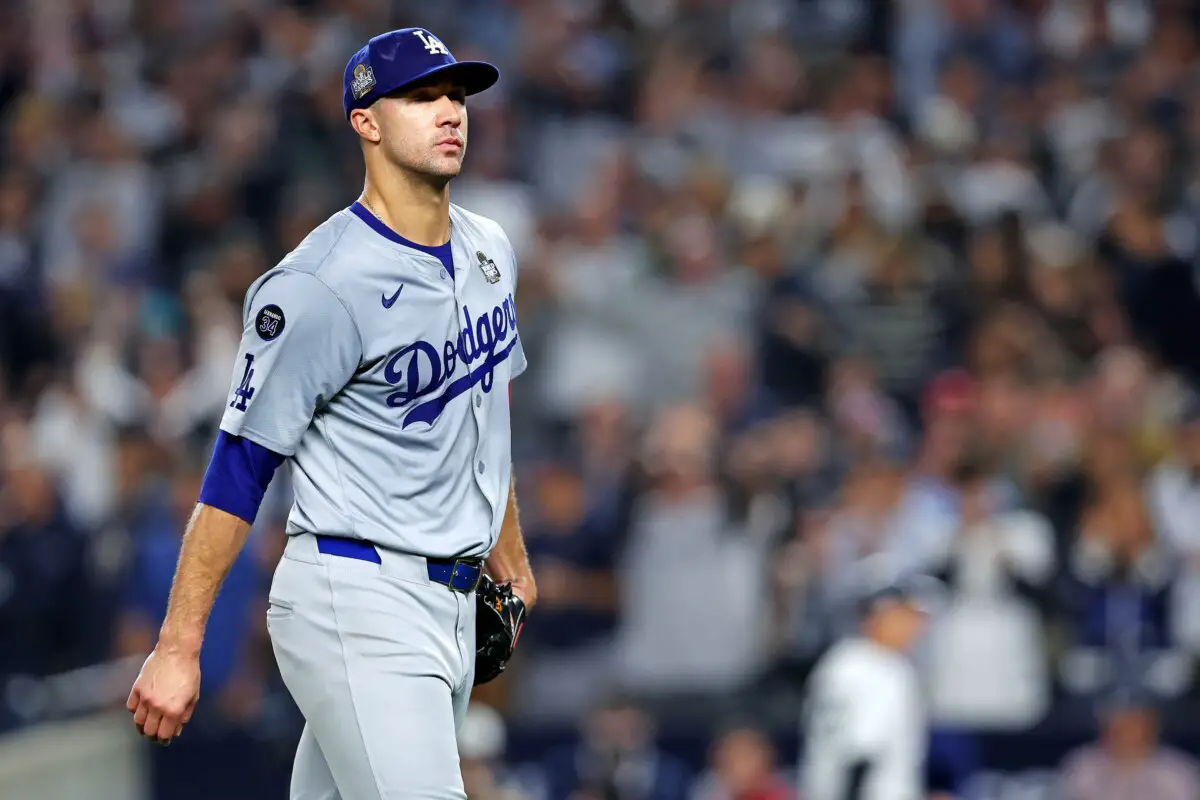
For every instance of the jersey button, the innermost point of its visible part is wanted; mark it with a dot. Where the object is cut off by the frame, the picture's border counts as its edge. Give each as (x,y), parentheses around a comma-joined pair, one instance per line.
(445,275)
(481,467)
(478,400)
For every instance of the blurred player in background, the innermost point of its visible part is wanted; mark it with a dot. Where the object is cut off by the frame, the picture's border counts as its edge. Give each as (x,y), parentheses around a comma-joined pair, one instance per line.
(865,729)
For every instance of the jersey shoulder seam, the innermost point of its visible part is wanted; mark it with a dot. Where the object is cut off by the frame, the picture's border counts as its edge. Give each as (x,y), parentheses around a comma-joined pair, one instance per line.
(316,269)
(345,306)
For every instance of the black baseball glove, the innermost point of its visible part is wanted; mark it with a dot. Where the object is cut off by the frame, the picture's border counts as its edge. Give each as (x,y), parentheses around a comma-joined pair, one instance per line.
(500,615)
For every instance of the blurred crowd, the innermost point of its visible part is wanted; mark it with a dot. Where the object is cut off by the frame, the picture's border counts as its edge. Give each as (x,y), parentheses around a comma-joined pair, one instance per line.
(802,281)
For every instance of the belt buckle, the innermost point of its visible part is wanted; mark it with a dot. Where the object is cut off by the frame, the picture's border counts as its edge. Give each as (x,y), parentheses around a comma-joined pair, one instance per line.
(454,574)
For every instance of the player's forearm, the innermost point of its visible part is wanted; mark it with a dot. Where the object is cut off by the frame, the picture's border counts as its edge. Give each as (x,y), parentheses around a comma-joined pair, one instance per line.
(509,561)
(210,546)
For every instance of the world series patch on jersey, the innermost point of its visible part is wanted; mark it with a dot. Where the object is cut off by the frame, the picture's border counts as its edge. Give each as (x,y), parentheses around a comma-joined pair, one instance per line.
(488,267)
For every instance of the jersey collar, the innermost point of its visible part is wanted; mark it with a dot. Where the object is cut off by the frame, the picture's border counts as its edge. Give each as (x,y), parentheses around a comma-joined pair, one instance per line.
(440,252)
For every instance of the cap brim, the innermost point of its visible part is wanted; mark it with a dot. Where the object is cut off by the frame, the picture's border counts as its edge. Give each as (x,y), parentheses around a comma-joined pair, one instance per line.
(923,594)
(473,76)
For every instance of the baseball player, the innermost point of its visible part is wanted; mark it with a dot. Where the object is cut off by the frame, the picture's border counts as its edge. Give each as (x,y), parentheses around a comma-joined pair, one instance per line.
(375,360)
(865,730)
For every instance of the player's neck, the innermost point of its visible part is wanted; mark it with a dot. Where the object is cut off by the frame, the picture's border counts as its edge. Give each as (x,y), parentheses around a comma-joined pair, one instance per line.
(414,208)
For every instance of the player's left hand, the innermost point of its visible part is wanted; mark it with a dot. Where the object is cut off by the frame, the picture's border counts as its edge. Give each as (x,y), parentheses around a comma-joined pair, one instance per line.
(500,615)
(523,588)
(165,694)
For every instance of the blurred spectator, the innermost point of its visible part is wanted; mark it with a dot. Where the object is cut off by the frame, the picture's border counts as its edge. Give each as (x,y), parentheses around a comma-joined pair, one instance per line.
(894,321)
(1104,461)
(1174,500)
(617,758)
(677,638)
(989,666)
(731,389)
(1129,760)
(573,555)
(231,675)
(1116,589)
(866,522)
(1064,285)
(743,768)
(678,316)
(924,498)
(948,416)
(100,210)
(79,446)
(1149,253)
(866,421)
(1130,398)
(881,508)
(795,341)
(44,575)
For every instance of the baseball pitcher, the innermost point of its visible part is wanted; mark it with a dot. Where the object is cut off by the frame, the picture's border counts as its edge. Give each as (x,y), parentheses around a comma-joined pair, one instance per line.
(375,360)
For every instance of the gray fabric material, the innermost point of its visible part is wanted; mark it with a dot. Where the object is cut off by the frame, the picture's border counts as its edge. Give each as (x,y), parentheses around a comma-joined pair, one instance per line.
(350,386)
(381,663)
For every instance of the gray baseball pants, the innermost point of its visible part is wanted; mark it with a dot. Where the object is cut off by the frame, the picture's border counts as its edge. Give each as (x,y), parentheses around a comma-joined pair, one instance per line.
(380,661)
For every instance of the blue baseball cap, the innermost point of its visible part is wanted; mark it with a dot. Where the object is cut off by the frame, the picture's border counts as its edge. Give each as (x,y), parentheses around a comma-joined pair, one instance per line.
(397,59)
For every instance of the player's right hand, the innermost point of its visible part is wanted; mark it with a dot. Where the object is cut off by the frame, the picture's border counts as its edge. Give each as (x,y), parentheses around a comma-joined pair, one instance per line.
(165,694)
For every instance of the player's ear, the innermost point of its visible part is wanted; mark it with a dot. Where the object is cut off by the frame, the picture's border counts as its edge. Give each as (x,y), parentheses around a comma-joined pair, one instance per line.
(366,125)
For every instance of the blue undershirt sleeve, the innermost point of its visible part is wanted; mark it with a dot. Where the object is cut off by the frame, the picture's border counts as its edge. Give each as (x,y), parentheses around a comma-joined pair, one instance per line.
(238,475)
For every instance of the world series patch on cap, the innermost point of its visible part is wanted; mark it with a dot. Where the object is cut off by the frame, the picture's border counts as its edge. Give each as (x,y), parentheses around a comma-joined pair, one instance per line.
(364,81)
(398,60)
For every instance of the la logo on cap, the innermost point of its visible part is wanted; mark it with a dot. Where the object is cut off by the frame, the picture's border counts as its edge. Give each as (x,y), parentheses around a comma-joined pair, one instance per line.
(432,44)
(364,81)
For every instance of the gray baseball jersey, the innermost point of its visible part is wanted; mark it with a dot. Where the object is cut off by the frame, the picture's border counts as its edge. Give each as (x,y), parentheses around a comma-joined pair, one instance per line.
(384,379)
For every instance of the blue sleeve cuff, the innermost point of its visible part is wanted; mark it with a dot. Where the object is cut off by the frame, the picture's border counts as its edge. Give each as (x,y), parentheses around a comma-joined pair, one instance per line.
(238,476)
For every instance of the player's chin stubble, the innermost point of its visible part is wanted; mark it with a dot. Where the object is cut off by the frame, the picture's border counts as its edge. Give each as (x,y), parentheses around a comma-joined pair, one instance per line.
(439,164)
(429,161)
(447,167)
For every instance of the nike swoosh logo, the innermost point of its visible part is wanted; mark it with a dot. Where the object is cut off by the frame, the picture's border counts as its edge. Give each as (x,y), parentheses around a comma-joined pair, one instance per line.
(388,302)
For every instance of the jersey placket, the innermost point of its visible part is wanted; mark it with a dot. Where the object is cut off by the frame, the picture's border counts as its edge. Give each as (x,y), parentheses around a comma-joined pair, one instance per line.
(462,281)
